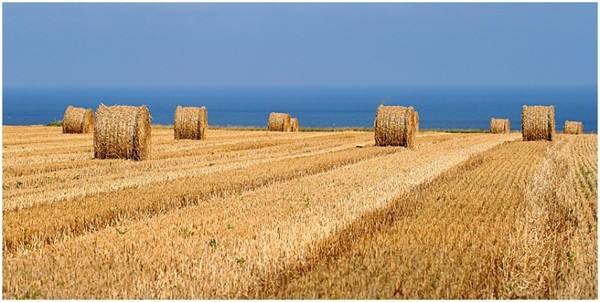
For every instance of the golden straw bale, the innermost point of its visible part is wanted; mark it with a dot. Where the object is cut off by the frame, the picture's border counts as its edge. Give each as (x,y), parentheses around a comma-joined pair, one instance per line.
(122,132)
(538,123)
(279,122)
(78,120)
(416,122)
(395,126)
(190,123)
(294,125)
(572,127)
(498,125)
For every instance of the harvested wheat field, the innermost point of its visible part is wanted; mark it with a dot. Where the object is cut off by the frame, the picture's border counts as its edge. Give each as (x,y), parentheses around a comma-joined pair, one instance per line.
(262,214)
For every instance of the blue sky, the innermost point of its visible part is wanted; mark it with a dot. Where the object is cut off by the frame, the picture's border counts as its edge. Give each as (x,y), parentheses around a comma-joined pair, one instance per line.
(397,44)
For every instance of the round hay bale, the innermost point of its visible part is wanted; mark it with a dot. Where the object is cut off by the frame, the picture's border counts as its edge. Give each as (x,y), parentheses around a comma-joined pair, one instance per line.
(573,127)
(78,120)
(416,122)
(498,125)
(294,127)
(122,132)
(395,126)
(279,122)
(538,123)
(190,122)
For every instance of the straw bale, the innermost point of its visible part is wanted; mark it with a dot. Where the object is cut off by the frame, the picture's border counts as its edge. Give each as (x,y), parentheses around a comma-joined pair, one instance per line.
(122,132)
(190,122)
(498,125)
(573,127)
(395,126)
(294,127)
(78,120)
(538,123)
(416,122)
(279,122)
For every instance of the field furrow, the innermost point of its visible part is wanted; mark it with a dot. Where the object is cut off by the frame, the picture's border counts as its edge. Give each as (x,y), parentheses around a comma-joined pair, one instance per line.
(51,149)
(225,245)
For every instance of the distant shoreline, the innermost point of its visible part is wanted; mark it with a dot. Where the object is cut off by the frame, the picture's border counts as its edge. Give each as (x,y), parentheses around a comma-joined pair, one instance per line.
(311,129)
(303,129)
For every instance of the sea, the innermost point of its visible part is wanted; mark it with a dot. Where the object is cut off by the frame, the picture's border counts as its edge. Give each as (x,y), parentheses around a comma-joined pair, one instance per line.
(331,106)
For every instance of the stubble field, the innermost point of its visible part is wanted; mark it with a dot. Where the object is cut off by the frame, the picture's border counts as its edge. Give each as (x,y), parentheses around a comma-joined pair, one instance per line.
(257,214)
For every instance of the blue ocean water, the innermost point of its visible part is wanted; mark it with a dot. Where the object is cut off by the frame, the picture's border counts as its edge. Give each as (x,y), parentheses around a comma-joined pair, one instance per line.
(438,107)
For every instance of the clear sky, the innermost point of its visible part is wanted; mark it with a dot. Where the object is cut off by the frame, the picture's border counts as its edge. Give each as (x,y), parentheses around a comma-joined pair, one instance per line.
(299,44)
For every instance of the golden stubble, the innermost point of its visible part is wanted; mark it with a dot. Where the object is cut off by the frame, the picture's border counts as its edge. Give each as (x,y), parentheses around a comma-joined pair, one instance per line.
(516,222)
(226,245)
